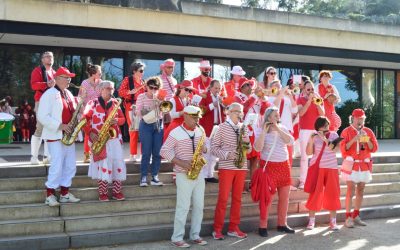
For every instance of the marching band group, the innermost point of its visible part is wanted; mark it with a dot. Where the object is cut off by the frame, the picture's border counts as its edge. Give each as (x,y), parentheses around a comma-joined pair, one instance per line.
(241,125)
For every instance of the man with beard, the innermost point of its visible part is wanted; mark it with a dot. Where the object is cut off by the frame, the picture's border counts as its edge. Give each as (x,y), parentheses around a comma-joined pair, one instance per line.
(202,82)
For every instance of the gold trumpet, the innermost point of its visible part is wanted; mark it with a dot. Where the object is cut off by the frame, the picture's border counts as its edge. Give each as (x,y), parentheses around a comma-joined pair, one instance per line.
(268,92)
(165,106)
(318,101)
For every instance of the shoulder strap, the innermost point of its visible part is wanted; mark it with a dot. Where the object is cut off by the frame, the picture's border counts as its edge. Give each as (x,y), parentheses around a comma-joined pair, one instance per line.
(44,74)
(131,86)
(322,150)
(270,152)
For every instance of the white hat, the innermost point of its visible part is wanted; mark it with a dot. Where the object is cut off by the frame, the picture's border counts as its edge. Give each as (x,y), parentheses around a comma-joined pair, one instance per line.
(205,64)
(237,70)
(192,110)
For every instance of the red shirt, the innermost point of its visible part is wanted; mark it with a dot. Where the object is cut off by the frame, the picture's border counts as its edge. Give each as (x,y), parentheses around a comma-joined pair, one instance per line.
(310,116)
(348,134)
(199,85)
(37,83)
(68,109)
(124,89)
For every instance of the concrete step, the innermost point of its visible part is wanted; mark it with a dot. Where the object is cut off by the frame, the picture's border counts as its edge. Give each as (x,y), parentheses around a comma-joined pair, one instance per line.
(36,242)
(12,228)
(27,211)
(140,218)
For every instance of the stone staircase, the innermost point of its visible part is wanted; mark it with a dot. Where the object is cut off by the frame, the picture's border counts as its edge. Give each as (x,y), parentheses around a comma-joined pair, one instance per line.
(147,213)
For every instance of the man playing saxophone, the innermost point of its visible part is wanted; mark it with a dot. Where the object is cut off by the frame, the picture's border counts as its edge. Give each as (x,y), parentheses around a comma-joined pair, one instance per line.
(180,147)
(104,116)
(56,109)
(231,176)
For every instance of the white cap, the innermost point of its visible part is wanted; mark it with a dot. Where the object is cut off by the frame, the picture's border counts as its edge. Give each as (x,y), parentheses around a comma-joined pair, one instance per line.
(192,110)
(205,64)
(237,70)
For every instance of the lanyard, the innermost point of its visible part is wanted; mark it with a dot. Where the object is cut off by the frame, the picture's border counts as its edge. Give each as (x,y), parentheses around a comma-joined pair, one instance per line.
(191,137)
(236,132)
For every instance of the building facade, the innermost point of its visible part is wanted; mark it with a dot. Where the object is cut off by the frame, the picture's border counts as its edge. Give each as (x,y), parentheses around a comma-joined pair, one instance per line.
(363,57)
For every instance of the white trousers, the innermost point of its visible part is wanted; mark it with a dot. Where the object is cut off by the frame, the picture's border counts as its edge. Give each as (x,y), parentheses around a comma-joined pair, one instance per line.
(186,191)
(304,136)
(63,165)
(208,170)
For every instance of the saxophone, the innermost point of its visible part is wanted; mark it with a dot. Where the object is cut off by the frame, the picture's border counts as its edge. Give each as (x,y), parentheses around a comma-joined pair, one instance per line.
(198,160)
(69,138)
(241,149)
(106,132)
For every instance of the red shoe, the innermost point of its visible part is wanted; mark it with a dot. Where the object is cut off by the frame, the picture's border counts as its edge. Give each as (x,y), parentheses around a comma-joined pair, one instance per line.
(237,233)
(103,197)
(118,197)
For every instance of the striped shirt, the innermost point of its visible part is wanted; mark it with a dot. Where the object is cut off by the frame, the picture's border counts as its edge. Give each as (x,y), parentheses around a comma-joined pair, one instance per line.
(224,142)
(145,103)
(287,111)
(179,145)
(328,159)
(280,152)
(168,83)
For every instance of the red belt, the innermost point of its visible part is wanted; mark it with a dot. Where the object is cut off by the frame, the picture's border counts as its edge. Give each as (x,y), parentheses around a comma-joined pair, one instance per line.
(52,140)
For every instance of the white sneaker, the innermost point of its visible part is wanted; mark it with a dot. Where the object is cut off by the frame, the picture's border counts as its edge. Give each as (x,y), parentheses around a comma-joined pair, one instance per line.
(156,182)
(46,160)
(51,201)
(132,158)
(69,198)
(311,224)
(333,226)
(349,222)
(34,160)
(143,182)
(359,222)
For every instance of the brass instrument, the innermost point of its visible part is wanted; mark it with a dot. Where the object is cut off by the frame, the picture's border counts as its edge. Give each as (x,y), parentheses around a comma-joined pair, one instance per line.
(268,92)
(198,160)
(107,132)
(241,148)
(296,90)
(163,107)
(318,101)
(69,138)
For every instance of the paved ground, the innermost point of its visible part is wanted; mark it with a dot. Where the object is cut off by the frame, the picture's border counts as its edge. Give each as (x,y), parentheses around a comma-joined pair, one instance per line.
(379,234)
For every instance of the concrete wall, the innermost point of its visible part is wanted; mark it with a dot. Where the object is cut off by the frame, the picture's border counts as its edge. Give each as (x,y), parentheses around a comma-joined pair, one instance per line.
(205,20)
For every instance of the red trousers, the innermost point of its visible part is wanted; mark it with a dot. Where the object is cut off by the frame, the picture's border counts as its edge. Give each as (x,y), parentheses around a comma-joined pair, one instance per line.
(86,147)
(229,180)
(133,135)
(327,191)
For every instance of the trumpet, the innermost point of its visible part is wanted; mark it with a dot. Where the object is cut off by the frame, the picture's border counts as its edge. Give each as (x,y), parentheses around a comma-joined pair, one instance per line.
(267,92)
(296,90)
(318,101)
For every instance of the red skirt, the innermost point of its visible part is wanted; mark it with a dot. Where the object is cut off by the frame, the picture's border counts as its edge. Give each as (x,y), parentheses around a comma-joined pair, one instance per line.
(279,172)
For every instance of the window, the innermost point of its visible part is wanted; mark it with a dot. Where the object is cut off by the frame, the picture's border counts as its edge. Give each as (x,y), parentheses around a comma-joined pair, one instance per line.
(221,70)
(388,91)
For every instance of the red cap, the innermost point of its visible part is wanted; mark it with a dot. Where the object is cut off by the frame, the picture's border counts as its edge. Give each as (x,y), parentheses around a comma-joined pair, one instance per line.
(185,84)
(358,113)
(244,81)
(64,71)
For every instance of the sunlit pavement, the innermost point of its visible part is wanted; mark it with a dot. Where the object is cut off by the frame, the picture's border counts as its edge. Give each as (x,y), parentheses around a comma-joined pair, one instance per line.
(379,234)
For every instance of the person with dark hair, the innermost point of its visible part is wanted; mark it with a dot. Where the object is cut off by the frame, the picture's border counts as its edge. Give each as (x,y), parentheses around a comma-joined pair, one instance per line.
(130,89)
(179,102)
(25,113)
(272,143)
(150,130)
(89,90)
(42,78)
(309,110)
(331,97)
(322,146)
(232,86)
(357,145)
(270,74)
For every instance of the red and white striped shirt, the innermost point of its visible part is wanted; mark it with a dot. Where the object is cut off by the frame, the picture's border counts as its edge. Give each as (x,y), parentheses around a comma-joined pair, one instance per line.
(328,159)
(169,83)
(224,142)
(179,145)
(145,103)
(280,152)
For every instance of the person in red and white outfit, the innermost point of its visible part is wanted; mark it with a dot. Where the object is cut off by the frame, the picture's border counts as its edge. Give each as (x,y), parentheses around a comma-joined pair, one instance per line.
(131,87)
(179,149)
(231,178)
(213,116)
(89,90)
(42,78)
(331,97)
(169,86)
(179,102)
(308,114)
(272,142)
(358,144)
(233,85)
(56,108)
(327,189)
(202,82)
(108,166)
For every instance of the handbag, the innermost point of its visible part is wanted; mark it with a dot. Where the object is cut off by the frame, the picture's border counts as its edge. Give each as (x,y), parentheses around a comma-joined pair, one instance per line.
(312,173)
(347,165)
(150,117)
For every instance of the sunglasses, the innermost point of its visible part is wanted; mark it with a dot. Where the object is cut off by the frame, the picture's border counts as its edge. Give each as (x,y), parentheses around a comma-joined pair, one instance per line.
(153,87)
(188,90)
(141,71)
(310,90)
(272,73)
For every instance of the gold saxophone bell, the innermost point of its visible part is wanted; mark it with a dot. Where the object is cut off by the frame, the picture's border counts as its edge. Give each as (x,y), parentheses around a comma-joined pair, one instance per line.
(317,100)
(165,106)
(113,133)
